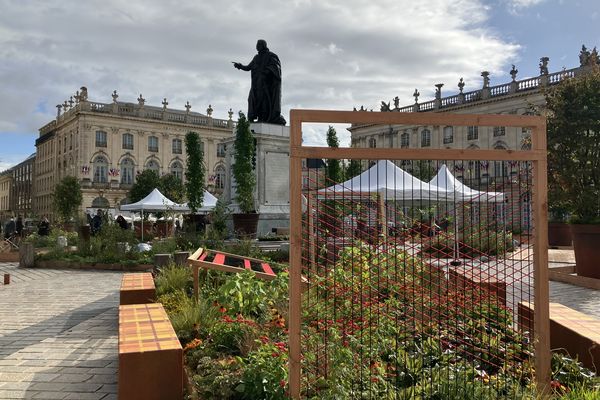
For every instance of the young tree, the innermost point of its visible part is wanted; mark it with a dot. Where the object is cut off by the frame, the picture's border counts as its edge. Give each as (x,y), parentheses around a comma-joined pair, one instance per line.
(243,171)
(354,169)
(145,182)
(195,171)
(334,172)
(172,187)
(67,197)
(574,144)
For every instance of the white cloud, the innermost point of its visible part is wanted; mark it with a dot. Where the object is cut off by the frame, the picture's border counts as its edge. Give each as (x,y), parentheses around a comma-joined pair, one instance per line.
(183,51)
(516,6)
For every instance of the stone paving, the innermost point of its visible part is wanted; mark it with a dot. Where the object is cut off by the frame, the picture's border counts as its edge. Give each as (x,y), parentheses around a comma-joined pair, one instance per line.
(58,334)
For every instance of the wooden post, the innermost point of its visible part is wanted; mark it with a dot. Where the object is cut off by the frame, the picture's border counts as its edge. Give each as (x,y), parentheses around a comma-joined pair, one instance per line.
(161,260)
(295,297)
(180,257)
(540,263)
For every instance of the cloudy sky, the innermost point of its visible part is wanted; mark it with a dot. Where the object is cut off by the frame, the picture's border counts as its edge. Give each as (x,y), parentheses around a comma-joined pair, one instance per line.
(334,54)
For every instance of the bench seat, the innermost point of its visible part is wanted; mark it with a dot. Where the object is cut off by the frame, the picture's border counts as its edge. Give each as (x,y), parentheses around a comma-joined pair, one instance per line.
(150,355)
(576,332)
(137,289)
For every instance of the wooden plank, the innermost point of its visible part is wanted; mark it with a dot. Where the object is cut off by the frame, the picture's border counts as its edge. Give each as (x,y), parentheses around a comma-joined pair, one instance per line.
(219,259)
(583,281)
(386,118)
(295,283)
(417,154)
(540,263)
(235,270)
(203,256)
(267,268)
(247,264)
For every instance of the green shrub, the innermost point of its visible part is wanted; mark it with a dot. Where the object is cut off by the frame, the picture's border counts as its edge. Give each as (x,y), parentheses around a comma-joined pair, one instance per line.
(216,379)
(164,246)
(265,373)
(174,278)
(173,302)
(112,245)
(243,293)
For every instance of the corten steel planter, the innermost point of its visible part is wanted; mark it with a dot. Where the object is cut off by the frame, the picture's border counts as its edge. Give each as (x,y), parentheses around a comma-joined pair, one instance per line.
(586,243)
(245,225)
(559,234)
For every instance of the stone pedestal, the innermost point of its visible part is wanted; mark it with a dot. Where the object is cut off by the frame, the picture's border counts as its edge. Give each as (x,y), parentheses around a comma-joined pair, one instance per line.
(26,255)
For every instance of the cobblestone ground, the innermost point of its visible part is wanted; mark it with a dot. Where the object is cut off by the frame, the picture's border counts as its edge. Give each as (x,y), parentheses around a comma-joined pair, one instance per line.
(58,334)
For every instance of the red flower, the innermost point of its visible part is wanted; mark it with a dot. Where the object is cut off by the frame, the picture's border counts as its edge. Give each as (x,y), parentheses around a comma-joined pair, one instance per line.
(282,383)
(222,310)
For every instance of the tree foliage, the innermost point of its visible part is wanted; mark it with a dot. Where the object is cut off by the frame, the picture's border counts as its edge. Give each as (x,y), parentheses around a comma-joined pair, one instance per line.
(574,144)
(243,171)
(67,197)
(195,171)
(145,182)
(334,172)
(172,187)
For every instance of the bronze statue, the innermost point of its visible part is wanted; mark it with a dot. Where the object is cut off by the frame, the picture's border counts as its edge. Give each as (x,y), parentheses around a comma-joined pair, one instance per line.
(264,99)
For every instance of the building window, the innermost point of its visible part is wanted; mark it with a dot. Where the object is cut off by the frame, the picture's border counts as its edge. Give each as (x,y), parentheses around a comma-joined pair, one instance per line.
(100,139)
(153,166)
(448,135)
(404,140)
(127,171)
(153,144)
(128,141)
(221,149)
(177,170)
(372,143)
(473,133)
(499,131)
(100,170)
(425,138)
(220,177)
(177,146)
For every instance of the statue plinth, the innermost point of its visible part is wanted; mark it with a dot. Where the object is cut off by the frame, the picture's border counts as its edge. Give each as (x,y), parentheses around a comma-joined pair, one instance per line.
(270,129)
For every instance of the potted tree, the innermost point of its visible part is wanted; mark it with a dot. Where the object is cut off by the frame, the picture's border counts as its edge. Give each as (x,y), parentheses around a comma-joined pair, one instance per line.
(246,221)
(574,161)
(194,175)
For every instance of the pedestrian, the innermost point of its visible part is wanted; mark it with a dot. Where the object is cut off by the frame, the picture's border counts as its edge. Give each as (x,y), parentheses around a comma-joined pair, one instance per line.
(19,226)
(121,222)
(96,224)
(9,229)
(44,227)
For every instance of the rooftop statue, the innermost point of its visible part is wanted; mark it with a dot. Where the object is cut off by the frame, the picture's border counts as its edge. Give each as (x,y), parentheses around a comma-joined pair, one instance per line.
(264,99)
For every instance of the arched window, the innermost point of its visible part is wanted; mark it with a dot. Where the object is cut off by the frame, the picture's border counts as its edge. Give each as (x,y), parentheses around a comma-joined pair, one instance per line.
(127,171)
(177,170)
(448,135)
(100,202)
(425,138)
(153,165)
(100,170)
(220,177)
(404,140)
(128,141)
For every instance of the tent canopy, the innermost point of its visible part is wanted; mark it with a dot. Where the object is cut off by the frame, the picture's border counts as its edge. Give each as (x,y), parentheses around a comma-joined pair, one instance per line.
(459,191)
(155,201)
(208,203)
(387,179)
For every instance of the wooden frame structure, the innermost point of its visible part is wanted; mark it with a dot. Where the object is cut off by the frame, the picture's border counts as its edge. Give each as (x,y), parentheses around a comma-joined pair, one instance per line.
(200,260)
(537,156)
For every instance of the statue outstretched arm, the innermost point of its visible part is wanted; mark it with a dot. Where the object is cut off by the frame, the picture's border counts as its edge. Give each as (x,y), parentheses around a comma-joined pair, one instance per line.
(241,66)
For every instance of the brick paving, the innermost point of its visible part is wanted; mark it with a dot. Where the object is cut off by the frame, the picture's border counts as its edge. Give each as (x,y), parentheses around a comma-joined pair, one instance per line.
(58,334)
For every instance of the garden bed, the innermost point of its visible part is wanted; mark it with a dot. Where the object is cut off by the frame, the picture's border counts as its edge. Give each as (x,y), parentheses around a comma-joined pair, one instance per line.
(65,264)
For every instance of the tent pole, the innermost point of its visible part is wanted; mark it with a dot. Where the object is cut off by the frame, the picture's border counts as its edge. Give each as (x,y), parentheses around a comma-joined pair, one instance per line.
(142,225)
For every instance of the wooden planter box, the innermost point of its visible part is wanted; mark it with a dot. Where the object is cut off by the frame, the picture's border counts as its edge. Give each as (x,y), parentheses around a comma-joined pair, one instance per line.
(63,264)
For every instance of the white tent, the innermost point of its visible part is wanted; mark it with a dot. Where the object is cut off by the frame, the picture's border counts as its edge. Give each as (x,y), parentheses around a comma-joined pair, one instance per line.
(459,191)
(389,180)
(208,203)
(155,201)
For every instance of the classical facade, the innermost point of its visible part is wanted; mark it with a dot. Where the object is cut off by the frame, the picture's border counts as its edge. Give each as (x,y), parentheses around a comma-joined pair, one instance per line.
(16,189)
(520,97)
(106,145)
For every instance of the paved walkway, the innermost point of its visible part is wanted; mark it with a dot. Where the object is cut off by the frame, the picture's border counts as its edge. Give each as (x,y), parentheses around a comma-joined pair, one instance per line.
(58,334)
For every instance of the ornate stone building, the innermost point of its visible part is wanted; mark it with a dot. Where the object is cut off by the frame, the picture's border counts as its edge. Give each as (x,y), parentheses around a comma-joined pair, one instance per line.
(521,97)
(106,145)
(16,189)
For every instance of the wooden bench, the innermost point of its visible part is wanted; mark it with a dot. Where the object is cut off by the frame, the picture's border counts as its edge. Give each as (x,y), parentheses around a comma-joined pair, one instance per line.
(150,355)
(577,333)
(137,289)
(465,278)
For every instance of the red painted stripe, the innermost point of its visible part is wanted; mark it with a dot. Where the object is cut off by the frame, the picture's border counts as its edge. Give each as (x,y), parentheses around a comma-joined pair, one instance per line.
(247,264)
(202,256)
(219,259)
(267,269)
